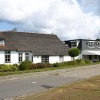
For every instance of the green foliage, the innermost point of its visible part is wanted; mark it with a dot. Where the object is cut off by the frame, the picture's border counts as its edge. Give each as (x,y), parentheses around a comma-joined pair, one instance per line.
(73,52)
(72,63)
(98,39)
(88,61)
(81,62)
(25,65)
(7,68)
(40,65)
(56,65)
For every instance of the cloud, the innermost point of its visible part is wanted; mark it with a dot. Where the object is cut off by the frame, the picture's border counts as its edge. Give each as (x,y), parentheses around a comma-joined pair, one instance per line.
(91,6)
(65,18)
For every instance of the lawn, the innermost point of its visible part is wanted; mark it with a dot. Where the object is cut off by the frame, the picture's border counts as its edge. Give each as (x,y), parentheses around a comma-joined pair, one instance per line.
(88,89)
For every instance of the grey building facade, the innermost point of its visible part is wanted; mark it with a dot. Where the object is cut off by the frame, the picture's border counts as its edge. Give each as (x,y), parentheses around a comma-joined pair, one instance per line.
(90,49)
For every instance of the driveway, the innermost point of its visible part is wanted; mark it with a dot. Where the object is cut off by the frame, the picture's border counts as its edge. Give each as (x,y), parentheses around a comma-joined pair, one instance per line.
(16,85)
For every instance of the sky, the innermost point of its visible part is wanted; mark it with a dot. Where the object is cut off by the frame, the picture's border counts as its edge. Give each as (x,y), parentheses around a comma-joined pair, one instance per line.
(68,19)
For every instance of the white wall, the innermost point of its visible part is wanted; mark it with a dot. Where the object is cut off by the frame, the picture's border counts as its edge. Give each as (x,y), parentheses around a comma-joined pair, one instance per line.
(36,59)
(67,58)
(2,57)
(14,57)
(53,59)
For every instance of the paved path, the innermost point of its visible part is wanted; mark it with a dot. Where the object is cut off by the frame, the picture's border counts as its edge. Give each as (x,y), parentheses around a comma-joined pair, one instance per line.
(15,85)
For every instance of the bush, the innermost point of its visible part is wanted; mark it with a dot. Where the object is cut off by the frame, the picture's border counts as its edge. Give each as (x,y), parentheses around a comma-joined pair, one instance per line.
(25,65)
(40,65)
(73,52)
(88,61)
(16,65)
(56,65)
(6,68)
(48,65)
(72,63)
(82,62)
(33,66)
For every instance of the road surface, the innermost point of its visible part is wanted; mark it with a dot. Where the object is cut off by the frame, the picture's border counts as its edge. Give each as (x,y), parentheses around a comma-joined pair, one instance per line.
(11,88)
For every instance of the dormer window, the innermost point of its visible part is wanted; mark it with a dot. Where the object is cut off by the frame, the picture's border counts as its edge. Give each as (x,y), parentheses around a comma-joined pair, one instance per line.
(98,44)
(73,44)
(2,43)
(91,44)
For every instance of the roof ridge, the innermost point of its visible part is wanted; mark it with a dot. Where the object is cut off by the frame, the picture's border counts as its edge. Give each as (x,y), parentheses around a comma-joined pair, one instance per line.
(28,32)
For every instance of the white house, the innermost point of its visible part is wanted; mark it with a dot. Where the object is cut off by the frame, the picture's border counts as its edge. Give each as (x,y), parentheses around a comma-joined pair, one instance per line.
(16,47)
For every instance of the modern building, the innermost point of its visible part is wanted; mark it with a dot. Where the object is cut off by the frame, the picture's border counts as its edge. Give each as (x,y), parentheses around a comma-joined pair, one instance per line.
(16,47)
(90,49)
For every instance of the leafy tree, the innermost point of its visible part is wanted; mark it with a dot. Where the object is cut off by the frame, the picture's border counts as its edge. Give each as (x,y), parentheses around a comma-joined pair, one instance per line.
(98,39)
(73,52)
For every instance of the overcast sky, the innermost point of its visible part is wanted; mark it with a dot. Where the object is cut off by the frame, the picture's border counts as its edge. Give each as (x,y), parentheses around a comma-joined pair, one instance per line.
(69,19)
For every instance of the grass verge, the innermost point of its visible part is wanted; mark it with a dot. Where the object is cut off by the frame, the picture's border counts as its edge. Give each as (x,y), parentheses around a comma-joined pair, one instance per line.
(88,89)
(62,66)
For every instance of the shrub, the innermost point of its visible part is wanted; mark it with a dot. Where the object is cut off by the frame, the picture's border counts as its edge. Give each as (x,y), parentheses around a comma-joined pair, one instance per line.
(25,65)
(88,61)
(82,62)
(40,65)
(16,65)
(6,68)
(73,52)
(72,63)
(48,65)
(33,66)
(56,65)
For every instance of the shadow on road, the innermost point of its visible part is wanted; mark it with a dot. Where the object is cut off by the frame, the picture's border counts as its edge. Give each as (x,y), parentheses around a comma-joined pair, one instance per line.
(47,86)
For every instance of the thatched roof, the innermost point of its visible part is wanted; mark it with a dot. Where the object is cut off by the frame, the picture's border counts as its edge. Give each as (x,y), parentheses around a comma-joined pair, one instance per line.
(38,44)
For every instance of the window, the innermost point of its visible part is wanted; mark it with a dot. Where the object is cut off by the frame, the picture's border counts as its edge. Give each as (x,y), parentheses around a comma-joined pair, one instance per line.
(20,57)
(98,44)
(27,56)
(73,44)
(1,42)
(7,56)
(45,59)
(91,44)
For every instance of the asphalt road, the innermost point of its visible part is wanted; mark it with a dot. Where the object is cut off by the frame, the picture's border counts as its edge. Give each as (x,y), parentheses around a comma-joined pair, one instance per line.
(12,88)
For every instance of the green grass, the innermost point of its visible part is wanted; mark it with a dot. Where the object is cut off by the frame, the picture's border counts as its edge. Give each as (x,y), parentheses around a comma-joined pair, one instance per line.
(61,66)
(88,89)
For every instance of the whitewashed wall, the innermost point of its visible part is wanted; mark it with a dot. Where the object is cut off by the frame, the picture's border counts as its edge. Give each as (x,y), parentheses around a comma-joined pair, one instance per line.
(53,59)
(67,58)
(36,59)
(14,57)
(2,57)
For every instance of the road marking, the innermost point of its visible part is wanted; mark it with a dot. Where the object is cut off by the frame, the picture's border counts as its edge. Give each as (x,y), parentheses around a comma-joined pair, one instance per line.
(34,82)
(74,74)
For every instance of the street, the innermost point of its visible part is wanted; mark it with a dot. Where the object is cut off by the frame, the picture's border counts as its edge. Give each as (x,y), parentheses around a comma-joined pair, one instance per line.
(23,86)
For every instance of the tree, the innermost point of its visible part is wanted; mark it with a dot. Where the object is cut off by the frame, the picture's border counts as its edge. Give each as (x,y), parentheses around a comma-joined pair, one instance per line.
(97,39)
(73,52)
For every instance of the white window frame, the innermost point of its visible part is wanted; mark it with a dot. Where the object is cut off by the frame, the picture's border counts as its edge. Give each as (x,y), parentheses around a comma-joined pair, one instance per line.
(45,59)
(7,56)
(27,56)
(2,43)
(20,57)
(91,44)
(98,44)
